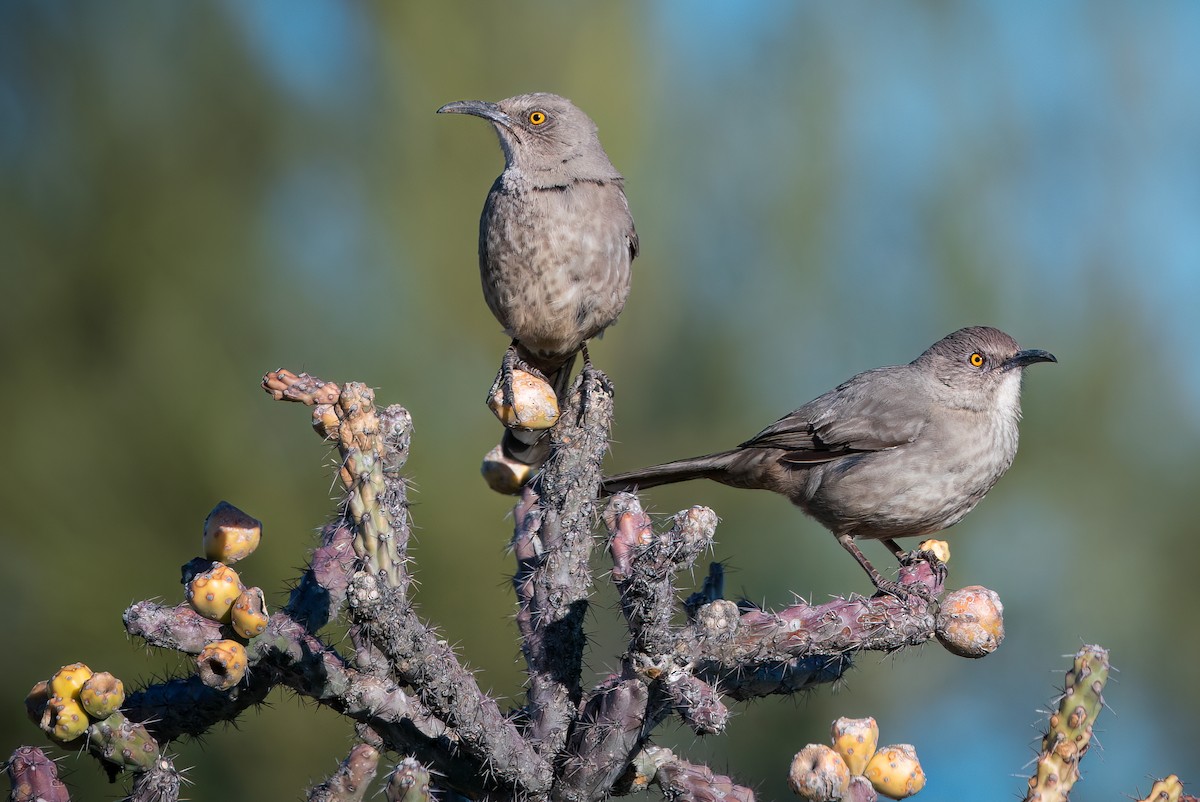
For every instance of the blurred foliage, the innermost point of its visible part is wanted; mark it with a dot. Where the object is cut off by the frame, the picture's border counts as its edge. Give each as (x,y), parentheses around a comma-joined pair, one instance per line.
(194,193)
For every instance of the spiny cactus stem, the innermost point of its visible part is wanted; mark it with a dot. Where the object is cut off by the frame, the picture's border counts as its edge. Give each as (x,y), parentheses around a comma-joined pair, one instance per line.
(34,777)
(419,658)
(553,542)
(645,565)
(682,780)
(349,783)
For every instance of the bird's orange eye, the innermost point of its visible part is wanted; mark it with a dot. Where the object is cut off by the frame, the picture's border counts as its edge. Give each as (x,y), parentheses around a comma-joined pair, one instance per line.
(537,117)
(976,359)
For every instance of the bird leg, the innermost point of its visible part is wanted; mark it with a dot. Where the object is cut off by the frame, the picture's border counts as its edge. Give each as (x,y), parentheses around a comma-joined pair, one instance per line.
(887,586)
(590,373)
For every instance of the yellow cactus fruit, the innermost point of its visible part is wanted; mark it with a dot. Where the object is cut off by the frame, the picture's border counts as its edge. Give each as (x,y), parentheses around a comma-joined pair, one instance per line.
(35,701)
(102,695)
(64,719)
(230,534)
(895,772)
(249,614)
(213,592)
(970,621)
(818,773)
(534,403)
(939,549)
(222,664)
(503,473)
(67,681)
(855,740)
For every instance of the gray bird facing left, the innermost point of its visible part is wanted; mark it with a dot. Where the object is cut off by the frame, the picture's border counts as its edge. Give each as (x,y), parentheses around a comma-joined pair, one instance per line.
(893,452)
(556,238)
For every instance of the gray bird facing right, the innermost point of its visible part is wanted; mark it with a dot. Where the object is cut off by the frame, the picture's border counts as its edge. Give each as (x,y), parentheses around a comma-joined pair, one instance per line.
(898,451)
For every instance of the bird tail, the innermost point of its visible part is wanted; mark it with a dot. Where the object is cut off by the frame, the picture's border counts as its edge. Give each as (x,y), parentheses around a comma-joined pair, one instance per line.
(710,466)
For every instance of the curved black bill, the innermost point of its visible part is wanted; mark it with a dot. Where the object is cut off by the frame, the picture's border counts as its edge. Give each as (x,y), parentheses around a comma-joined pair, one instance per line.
(1028,357)
(478,108)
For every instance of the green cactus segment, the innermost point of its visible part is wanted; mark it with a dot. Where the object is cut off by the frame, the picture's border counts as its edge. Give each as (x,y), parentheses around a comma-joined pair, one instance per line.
(409,783)
(375,489)
(1070,732)
(123,743)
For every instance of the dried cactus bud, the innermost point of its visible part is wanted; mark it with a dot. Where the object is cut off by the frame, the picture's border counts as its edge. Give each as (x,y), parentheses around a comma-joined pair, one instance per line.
(249,613)
(222,664)
(938,548)
(67,681)
(895,772)
(855,739)
(534,403)
(213,592)
(970,622)
(35,701)
(230,534)
(819,774)
(64,719)
(102,695)
(503,473)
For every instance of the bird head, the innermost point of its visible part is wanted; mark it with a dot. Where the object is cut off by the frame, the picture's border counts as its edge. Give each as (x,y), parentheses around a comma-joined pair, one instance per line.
(546,137)
(981,367)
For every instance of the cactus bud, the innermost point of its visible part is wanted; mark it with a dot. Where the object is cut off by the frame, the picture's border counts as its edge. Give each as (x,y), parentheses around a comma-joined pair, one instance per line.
(249,613)
(895,772)
(818,774)
(64,719)
(938,548)
(230,534)
(222,664)
(213,592)
(855,739)
(503,473)
(534,403)
(970,621)
(67,681)
(102,695)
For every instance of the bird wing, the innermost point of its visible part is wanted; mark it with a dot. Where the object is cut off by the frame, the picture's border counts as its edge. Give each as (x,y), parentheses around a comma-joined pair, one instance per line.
(847,420)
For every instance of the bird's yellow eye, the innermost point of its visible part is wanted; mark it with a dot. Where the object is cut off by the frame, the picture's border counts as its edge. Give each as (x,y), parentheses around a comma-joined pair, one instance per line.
(976,359)
(537,117)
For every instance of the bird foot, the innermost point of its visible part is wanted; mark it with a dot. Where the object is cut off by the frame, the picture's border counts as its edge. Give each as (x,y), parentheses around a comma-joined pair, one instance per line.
(903,592)
(588,375)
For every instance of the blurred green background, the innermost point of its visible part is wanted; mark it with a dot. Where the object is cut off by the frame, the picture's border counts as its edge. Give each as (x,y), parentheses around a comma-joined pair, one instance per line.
(192,193)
